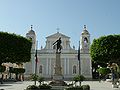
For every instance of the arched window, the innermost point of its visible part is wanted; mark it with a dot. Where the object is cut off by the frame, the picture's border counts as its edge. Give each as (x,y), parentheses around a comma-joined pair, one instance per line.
(40,69)
(74,69)
(85,41)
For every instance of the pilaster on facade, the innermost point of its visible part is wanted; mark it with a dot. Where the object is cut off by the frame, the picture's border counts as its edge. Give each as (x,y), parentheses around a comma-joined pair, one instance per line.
(68,67)
(50,67)
(47,67)
(64,62)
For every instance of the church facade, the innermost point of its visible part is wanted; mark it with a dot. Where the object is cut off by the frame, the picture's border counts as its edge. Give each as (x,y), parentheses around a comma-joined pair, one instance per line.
(46,56)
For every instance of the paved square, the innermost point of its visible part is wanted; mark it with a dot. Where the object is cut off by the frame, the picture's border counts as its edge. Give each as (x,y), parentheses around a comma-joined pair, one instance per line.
(94,85)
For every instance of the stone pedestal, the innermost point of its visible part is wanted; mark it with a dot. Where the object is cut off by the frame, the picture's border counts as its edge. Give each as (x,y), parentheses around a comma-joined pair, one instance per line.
(58,77)
(58,68)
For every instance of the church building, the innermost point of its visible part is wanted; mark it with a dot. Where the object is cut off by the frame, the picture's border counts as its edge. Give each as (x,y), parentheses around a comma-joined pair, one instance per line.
(69,56)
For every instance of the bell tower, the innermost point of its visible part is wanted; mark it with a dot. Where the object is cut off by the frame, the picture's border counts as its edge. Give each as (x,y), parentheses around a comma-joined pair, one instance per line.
(31,35)
(30,67)
(85,40)
(86,68)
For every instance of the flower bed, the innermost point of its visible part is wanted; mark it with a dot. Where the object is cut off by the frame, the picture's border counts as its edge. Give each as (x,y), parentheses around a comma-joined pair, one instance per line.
(40,87)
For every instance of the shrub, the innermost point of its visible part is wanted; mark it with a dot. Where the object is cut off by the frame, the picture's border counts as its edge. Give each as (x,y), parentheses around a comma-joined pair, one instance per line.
(34,77)
(32,87)
(104,71)
(40,79)
(45,86)
(79,78)
(86,87)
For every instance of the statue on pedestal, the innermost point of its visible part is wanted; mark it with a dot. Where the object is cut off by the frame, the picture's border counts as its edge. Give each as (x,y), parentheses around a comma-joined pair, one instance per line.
(58,43)
(57,46)
(58,77)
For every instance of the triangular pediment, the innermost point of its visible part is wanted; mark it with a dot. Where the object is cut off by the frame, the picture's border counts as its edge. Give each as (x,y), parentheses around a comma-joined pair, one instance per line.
(57,35)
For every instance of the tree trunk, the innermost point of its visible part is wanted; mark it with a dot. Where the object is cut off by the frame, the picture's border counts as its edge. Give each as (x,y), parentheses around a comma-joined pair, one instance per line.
(80,83)
(16,76)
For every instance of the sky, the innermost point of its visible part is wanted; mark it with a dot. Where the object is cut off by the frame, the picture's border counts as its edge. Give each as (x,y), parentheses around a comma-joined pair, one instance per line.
(102,17)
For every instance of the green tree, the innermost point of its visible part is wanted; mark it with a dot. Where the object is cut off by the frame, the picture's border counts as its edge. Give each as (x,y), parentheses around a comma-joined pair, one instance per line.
(34,77)
(40,79)
(14,48)
(103,71)
(2,68)
(106,49)
(79,78)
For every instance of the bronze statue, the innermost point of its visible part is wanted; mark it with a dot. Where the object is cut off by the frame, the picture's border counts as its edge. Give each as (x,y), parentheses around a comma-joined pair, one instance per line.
(58,43)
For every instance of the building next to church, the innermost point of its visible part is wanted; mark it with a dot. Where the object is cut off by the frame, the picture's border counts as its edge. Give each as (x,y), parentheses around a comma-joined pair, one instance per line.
(69,61)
